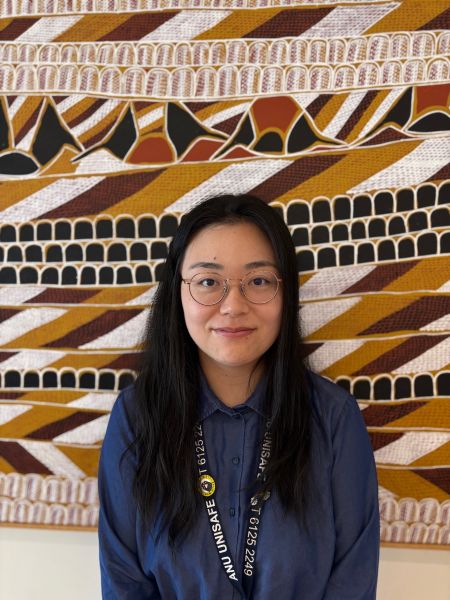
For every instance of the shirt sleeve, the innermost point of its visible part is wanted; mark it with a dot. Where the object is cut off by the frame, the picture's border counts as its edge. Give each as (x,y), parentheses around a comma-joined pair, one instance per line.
(355,502)
(122,577)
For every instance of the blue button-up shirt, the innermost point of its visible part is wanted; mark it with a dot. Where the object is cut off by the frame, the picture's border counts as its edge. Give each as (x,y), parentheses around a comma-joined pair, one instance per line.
(334,558)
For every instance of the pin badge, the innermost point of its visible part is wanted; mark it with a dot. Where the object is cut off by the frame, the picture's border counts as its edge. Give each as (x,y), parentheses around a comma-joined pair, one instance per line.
(207,485)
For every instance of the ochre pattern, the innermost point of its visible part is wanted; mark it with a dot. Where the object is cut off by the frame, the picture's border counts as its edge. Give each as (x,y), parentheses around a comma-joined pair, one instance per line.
(117,116)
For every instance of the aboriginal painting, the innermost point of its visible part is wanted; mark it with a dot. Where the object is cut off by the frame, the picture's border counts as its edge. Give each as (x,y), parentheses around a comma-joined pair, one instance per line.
(116,116)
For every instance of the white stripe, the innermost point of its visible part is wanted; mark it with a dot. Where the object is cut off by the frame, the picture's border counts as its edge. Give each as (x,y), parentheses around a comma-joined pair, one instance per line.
(9,296)
(27,140)
(89,433)
(433,359)
(70,102)
(445,287)
(382,110)
(332,282)
(144,299)
(331,352)
(100,161)
(52,458)
(48,28)
(31,359)
(151,117)
(8,412)
(342,115)
(410,447)
(317,314)
(347,21)
(95,401)
(223,115)
(187,24)
(442,324)
(89,123)
(305,99)
(417,166)
(14,107)
(236,179)
(127,335)
(27,320)
(50,197)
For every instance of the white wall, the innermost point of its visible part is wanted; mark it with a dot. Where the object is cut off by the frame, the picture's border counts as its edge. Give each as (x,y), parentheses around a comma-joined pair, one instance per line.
(55,565)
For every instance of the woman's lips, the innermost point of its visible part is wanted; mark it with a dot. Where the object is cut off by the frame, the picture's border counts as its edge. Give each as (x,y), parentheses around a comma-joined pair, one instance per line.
(233,332)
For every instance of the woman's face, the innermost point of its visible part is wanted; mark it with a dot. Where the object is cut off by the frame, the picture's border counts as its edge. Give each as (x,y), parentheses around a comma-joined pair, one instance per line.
(234,333)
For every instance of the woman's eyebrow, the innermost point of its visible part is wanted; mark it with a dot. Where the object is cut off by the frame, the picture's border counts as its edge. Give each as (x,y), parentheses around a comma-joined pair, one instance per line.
(252,265)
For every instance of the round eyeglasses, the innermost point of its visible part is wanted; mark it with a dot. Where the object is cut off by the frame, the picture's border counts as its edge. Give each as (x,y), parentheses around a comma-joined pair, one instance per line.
(259,287)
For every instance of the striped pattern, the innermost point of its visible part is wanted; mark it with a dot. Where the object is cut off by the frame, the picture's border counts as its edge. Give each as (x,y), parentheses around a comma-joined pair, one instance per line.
(116,118)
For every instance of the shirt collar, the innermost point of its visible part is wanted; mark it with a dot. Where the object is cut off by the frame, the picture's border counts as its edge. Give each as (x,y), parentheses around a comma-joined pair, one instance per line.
(209,402)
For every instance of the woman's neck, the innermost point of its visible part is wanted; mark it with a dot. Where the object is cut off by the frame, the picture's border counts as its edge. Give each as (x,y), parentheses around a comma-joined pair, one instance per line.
(231,385)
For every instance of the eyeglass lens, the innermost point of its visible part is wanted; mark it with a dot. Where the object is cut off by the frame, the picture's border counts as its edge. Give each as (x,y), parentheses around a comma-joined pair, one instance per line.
(258,287)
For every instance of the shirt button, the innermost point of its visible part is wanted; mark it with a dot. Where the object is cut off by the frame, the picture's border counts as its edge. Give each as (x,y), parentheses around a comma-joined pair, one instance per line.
(235,460)
(232,512)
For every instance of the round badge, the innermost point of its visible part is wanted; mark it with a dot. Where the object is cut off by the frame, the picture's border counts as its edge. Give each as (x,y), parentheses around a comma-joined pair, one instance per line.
(207,485)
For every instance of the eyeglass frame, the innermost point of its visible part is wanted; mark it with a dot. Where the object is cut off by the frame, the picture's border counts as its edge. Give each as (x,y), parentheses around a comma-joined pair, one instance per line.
(226,287)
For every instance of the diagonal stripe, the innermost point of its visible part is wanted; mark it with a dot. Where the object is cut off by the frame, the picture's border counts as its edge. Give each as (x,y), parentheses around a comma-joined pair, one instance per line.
(442,324)
(433,359)
(317,314)
(134,27)
(49,198)
(16,27)
(55,460)
(332,282)
(22,460)
(382,110)
(410,447)
(47,29)
(187,24)
(289,23)
(31,359)
(417,166)
(331,352)
(438,477)
(9,412)
(90,433)
(127,335)
(95,401)
(223,115)
(27,320)
(348,21)
(237,178)
(95,118)
(144,299)
(56,429)
(378,415)
(412,317)
(94,329)
(379,277)
(347,109)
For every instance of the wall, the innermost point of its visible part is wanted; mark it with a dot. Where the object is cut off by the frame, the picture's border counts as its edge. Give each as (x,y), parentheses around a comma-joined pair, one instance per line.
(51,565)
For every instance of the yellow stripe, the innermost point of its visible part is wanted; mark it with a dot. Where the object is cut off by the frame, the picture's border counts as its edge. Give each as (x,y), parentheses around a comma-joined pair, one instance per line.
(409,16)
(85,458)
(239,24)
(92,28)
(440,456)
(406,484)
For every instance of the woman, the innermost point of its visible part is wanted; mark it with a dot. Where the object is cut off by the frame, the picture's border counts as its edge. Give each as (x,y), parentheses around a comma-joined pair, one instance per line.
(228,470)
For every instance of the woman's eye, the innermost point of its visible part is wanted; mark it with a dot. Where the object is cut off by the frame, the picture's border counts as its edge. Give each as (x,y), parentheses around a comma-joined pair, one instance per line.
(208,282)
(258,281)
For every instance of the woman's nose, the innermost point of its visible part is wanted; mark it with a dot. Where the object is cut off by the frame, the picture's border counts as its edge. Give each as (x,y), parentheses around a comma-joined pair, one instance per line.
(234,301)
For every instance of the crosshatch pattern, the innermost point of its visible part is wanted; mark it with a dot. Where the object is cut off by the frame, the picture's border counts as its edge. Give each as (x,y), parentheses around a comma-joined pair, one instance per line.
(117,116)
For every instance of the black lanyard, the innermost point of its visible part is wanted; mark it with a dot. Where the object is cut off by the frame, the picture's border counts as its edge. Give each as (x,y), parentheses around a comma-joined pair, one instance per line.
(207,487)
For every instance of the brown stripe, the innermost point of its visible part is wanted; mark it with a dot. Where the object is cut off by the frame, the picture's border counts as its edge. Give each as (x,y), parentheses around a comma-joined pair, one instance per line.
(316,105)
(10,395)
(138,26)
(380,439)
(412,317)
(380,277)
(386,136)
(21,460)
(293,175)
(357,114)
(379,415)
(94,329)
(143,104)
(289,23)
(401,354)
(195,107)
(90,110)
(52,430)
(443,173)
(99,136)
(126,361)
(438,477)
(229,125)
(308,349)
(6,355)
(110,191)
(7,313)
(16,27)
(29,124)
(62,296)
(440,22)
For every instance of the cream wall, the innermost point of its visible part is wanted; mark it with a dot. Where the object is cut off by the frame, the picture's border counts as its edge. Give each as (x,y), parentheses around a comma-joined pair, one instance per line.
(60,565)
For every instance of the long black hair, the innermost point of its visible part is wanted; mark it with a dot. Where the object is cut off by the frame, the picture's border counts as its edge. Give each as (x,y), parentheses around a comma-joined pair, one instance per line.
(166,389)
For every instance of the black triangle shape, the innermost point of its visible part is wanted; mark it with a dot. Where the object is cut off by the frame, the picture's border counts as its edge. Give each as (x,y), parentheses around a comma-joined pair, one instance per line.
(51,137)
